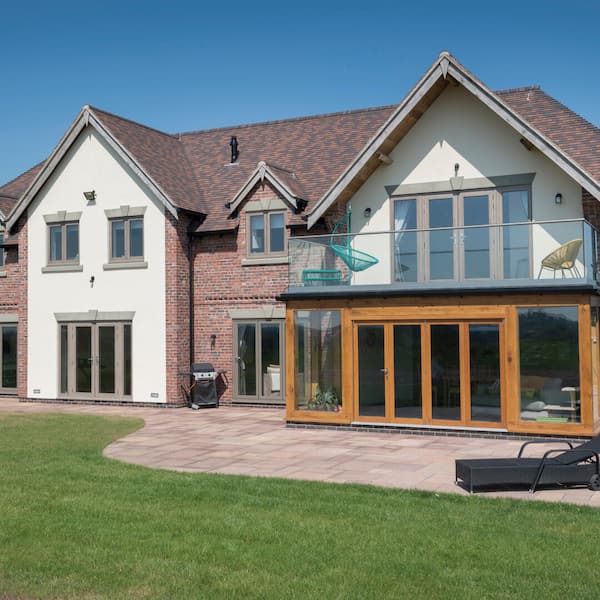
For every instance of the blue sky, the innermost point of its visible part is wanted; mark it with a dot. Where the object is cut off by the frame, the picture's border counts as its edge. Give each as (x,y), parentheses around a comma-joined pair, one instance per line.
(181,65)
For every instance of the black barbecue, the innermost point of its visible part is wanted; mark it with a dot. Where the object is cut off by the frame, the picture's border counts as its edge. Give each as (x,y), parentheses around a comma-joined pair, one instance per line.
(204,390)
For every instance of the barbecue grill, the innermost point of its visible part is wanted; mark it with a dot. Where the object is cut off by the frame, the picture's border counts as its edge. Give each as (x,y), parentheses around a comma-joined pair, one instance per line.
(204,392)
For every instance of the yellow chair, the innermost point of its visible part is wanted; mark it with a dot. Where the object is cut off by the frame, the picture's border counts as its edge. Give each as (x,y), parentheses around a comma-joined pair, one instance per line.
(563,259)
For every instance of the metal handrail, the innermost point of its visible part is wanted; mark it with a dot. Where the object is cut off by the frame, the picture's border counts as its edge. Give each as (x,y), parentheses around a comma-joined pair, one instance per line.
(453,228)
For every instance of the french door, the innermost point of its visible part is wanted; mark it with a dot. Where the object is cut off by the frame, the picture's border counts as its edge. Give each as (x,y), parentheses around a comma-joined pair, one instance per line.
(441,373)
(258,361)
(95,360)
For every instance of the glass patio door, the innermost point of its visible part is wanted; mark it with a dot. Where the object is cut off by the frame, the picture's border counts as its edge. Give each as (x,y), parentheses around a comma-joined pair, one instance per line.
(440,373)
(95,360)
(258,361)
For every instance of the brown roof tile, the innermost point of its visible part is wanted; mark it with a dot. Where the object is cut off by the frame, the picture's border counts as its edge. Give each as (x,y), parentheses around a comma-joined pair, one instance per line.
(306,153)
(161,156)
(575,136)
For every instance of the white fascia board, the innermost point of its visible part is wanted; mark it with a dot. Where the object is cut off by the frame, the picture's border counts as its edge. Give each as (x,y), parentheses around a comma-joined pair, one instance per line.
(261,173)
(372,146)
(85,118)
(527,131)
(130,161)
(59,151)
(444,66)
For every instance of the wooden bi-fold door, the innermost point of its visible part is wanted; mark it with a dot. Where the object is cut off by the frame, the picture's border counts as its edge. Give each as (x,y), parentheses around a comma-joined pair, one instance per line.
(447,373)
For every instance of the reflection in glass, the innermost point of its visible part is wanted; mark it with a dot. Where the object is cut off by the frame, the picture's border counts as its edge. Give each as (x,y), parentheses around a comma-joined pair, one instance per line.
(270,360)
(118,239)
(127,360)
(445,372)
(549,364)
(9,356)
(318,362)
(407,372)
(73,241)
(441,243)
(64,359)
(371,371)
(276,232)
(106,356)
(515,209)
(257,233)
(405,242)
(56,242)
(484,347)
(83,359)
(246,359)
(136,237)
(476,240)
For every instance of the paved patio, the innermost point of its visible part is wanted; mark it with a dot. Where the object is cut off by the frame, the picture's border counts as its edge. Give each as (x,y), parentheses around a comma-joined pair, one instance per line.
(251,441)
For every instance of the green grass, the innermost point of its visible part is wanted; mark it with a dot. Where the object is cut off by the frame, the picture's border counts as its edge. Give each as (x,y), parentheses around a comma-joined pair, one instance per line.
(76,525)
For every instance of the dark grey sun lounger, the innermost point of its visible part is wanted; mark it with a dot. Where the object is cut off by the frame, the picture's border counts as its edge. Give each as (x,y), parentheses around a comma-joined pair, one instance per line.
(557,467)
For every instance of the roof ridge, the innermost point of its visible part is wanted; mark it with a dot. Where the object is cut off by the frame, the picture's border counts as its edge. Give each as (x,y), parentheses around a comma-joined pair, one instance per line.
(290,120)
(525,88)
(172,136)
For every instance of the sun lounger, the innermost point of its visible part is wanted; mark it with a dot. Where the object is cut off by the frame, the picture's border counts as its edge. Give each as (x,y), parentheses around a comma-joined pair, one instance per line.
(557,467)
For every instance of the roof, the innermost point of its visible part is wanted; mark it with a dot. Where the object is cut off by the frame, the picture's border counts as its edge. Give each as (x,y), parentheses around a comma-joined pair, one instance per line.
(577,137)
(546,127)
(312,158)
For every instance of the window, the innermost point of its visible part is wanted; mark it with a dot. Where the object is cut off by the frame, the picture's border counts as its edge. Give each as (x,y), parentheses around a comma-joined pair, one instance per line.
(266,233)
(8,357)
(549,364)
(1,250)
(460,236)
(63,243)
(127,239)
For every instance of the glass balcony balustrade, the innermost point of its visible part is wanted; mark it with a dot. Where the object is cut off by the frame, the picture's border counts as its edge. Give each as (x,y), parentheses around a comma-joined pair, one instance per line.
(529,254)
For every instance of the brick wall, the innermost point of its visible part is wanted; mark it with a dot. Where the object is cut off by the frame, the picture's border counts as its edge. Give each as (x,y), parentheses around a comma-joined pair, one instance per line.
(221,283)
(13,300)
(177,303)
(591,208)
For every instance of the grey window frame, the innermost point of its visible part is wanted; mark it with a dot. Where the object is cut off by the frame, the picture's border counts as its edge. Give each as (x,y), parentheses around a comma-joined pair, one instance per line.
(7,390)
(126,258)
(267,214)
(63,228)
(496,227)
(2,251)
(71,392)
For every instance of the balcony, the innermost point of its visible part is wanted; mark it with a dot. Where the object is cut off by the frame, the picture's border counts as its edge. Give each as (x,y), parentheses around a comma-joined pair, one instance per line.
(525,255)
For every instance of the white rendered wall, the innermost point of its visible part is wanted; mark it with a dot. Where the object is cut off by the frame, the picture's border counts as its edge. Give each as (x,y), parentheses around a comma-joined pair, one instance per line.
(458,128)
(91,164)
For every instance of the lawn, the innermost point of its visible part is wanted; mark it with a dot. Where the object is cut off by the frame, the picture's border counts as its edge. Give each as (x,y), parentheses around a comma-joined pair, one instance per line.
(76,525)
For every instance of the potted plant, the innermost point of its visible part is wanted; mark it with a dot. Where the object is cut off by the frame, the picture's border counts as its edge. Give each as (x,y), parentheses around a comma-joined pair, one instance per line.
(326,400)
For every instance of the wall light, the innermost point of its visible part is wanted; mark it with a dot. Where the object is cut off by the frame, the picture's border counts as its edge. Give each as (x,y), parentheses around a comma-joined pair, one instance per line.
(558,198)
(367,213)
(90,196)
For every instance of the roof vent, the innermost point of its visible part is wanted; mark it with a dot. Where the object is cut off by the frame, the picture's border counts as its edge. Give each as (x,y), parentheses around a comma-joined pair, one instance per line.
(234,148)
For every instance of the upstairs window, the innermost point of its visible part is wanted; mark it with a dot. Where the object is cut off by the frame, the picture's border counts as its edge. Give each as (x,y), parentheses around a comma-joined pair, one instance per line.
(63,243)
(127,239)
(266,233)
(1,250)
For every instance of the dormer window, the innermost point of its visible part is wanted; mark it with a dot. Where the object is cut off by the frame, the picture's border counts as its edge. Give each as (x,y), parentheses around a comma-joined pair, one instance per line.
(266,233)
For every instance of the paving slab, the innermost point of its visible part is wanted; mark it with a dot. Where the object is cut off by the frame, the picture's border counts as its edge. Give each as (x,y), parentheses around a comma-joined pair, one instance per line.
(256,442)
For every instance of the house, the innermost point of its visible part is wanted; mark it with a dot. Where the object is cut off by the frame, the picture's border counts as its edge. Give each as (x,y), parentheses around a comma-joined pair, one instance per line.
(426,265)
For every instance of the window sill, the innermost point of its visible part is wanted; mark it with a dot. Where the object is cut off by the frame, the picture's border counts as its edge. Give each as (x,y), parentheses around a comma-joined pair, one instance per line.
(62,269)
(2,272)
(265,260)
(116,266)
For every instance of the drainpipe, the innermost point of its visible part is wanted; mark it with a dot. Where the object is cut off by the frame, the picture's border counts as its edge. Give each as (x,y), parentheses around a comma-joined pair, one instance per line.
(191,296)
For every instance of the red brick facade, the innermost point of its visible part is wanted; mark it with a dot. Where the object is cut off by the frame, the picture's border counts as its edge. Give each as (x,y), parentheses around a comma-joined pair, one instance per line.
(591,208)
(176,305)
(222,283)
(13,300)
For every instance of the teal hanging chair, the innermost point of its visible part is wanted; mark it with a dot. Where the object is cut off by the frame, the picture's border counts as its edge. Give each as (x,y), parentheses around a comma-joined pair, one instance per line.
(356,260)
